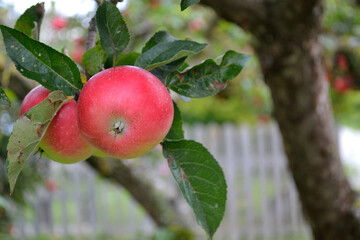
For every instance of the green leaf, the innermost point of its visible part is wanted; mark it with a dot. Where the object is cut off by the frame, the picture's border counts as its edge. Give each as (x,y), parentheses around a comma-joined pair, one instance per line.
(94,59)
(128,59)
(28,131)
(163,48)
(176,131)
(3,98)
(207,78)
(114,35)
(200,179)
(159,37)
(163,71)
(187,3)
(39,62)
(30,21)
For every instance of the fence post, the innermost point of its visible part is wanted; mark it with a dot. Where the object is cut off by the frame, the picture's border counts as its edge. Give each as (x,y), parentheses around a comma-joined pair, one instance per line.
(277,169)
(247,170)
(91,204)
(230,174)
(262,163)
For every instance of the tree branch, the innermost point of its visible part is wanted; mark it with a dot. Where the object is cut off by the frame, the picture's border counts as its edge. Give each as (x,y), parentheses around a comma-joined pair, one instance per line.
(91,37)
(162,211)
(244,13)
(212,24)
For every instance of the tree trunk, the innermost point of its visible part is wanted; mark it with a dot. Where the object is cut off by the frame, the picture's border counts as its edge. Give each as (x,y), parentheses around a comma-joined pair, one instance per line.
(287,44)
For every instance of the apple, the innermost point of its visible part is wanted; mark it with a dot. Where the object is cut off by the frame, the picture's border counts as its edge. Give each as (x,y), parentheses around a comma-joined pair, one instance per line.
(80,42)
(125,111)
(342,63)
(342,85)
(196,24)
(77,54)
(51,185)
(62,141)
(34,97)
(59,22)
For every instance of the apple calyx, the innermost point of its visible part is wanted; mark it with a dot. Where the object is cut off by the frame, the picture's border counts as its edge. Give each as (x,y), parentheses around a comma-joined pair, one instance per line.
(118,127)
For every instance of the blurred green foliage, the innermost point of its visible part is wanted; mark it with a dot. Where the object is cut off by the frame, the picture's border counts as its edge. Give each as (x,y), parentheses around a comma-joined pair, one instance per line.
(342,37)
(342,17)
(246,99)
(31,177)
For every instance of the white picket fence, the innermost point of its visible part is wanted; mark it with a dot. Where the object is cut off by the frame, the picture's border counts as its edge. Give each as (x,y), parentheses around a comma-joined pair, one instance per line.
(262,202)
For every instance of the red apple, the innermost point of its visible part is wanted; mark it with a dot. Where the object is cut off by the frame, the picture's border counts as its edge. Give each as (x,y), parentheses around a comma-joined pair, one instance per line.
(342,63)
(342,85)
(34,97)
(125,111)
(77,54)
(59,22)
(62,141)
(80,42)
(196,24)
(51,185)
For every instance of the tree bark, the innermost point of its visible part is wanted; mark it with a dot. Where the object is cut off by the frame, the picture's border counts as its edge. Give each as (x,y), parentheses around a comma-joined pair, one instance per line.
(286,40)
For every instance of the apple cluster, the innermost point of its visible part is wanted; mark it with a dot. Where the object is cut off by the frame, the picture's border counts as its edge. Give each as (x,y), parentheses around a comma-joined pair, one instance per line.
(122,112)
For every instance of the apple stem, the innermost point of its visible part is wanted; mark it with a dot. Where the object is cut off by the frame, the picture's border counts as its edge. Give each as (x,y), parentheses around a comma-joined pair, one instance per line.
(77,95)
(118,127)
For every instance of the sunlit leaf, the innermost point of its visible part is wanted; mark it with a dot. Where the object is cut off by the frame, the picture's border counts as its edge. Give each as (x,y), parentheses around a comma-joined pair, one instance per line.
(128,59)
(94,59)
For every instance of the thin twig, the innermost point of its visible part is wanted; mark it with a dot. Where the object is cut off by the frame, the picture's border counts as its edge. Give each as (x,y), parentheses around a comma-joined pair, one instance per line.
(91,37)
(212,24)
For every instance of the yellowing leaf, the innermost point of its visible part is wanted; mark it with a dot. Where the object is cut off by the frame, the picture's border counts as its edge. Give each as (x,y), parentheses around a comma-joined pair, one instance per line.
(28,131)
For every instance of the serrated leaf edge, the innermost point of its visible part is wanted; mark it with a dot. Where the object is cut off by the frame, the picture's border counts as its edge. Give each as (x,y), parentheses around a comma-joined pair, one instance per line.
(69,83)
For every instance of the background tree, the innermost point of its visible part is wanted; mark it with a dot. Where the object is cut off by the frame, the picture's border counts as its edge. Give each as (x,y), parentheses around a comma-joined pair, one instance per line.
(286,39)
